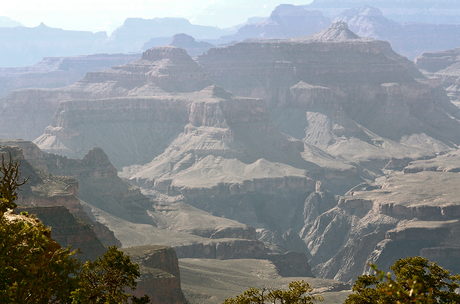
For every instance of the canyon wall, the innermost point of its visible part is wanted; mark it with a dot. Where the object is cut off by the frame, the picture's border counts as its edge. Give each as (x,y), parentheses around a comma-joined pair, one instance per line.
(405,215)
(160,275)
(348,96)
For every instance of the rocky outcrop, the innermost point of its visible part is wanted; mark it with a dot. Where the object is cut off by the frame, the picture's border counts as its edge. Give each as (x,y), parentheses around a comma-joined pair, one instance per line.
(44,189)
(305,88)
(445,67)
(100,185)
(448,162)
(288,264)
(189,44)
(408,39)
(68,230)
(160,275)
(406,215)
(163,69)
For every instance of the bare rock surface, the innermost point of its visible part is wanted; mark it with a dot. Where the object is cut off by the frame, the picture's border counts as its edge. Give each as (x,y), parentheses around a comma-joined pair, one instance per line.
(404,214)
(160,275)
(364,104)
(44,189)
(68,230)
(162,70)
(445,67)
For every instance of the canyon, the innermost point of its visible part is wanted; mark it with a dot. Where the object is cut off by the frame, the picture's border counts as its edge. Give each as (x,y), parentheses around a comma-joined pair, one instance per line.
(311,155)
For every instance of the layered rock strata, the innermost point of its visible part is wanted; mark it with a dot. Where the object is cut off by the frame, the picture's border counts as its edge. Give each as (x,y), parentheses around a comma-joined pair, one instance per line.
(407,214)
(346,95)
(68,230)
(164,69)
(160,275)
(445,67)
(44,189)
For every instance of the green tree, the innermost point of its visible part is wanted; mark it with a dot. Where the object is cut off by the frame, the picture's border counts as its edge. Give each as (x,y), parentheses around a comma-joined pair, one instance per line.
(417,281)
(298,292)
(104,280)
(33,267)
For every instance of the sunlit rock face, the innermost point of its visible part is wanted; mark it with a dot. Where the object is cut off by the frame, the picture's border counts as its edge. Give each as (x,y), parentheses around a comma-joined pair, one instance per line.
(415,213)
(160,70)
(346,95)
(160,275)
(54,199)
(444,66)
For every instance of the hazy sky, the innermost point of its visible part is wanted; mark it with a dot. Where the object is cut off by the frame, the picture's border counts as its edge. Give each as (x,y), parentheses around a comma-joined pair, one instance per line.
(106,15)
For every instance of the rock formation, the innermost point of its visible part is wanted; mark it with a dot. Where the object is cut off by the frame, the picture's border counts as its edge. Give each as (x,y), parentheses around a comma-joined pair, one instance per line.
(169,69)
(44,189)
(160,275)
(445,66)
(349,117)
(367,97)
(415,213)
(68,230)
(408,39)
(99,185)
(189,43)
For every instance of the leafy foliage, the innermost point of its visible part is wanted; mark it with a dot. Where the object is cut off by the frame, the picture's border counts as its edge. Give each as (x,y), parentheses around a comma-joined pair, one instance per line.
(33,267)
(298,292)
(417,281)
(104,280)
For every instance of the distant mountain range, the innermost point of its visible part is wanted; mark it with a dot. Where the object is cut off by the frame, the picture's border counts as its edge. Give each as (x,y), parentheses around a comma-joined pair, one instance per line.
(425,11)
(412,27)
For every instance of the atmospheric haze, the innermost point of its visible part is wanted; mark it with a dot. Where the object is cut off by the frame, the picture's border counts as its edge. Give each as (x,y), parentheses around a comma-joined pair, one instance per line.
(105,15)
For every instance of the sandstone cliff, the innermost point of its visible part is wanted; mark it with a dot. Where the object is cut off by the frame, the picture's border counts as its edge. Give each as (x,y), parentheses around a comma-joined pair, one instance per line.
(165,69)
(445,67)
(44,189)
(404,215)
(354,115)
(68,230)
(352,96)
(160,275)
